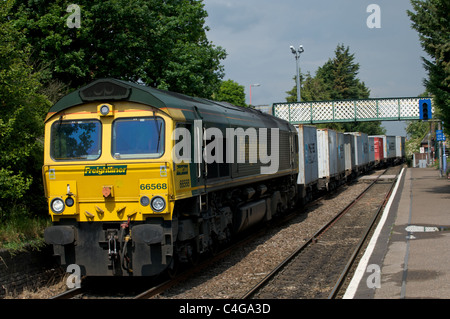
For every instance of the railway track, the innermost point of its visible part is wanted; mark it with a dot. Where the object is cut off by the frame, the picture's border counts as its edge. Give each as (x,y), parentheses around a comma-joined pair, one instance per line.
(319,239)
(162,285)
(319,267)
(69,294)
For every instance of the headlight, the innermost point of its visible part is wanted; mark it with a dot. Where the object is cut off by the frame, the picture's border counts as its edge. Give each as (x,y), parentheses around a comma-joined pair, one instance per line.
(57,205)
(158,204)
(145,201)
(104,109)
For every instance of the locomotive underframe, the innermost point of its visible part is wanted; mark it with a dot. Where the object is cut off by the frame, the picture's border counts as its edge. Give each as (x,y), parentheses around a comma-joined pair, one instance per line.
(200,225)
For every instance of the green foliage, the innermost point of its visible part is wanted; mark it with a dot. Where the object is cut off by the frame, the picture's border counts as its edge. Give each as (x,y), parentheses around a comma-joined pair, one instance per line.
(337,80)
(160,42)
(339,76)
(22,109)
(416,131)
(21,231)
(431,20)
(231,92)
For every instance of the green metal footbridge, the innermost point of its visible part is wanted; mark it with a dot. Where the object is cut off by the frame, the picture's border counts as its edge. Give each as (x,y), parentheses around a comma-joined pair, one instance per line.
(382,109)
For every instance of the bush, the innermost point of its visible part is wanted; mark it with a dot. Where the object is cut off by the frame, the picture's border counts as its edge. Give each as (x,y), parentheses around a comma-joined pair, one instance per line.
(22,112)
(21,230)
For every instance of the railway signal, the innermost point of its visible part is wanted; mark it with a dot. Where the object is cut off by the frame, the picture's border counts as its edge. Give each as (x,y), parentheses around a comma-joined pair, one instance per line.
(425,109)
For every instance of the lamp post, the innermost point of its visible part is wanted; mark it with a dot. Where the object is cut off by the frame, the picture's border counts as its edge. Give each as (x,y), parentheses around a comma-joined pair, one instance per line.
(257,84)
(297,53)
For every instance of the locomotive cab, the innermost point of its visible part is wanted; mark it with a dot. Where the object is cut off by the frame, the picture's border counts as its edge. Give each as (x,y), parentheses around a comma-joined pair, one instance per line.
(107,176)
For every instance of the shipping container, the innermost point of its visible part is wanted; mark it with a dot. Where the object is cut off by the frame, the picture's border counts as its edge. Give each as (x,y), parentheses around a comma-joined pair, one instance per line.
(390,149)
(378,148)
(388,146)
(349,149)
(400,147)
(307,153)
(327,153)
(341,153)
(331,159)
(371,151)
(360,151)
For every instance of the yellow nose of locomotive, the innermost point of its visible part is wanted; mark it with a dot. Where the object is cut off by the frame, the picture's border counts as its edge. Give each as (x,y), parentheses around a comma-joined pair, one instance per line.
(90,194)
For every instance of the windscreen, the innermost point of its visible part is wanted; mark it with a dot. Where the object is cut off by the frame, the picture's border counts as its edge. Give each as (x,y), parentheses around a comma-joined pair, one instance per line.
(75,140)
(138,138)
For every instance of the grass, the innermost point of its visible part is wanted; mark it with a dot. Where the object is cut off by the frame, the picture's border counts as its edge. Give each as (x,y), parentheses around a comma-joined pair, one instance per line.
(20,231)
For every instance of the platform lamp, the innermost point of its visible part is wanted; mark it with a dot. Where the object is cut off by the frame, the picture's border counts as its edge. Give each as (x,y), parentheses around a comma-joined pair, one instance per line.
(297,53)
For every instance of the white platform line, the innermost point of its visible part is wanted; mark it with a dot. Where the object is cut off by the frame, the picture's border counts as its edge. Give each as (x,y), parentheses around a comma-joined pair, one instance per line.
(362,266)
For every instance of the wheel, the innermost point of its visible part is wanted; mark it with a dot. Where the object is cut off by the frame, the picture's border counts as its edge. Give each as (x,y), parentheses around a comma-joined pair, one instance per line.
(172,270)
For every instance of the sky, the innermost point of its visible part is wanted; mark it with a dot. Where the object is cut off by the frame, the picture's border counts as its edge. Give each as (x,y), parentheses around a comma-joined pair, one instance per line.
(257,35)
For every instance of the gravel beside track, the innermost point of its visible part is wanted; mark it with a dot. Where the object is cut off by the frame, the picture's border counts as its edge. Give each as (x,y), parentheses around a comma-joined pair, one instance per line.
(238,272)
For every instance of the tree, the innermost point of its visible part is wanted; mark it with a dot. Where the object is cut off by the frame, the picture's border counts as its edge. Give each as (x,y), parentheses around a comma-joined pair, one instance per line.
(22,110)
(431,20)
(160,42)
(339,76)
(312,89)
(337,80)
(231,92)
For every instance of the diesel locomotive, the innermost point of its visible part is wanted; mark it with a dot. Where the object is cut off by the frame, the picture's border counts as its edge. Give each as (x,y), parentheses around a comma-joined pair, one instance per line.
(139,179)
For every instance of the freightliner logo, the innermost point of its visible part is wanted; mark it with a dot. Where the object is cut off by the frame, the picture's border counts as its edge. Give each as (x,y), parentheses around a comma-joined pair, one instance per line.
(105,170)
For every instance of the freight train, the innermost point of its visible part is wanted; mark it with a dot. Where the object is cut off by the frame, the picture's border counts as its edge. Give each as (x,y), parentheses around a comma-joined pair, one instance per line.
(139,180)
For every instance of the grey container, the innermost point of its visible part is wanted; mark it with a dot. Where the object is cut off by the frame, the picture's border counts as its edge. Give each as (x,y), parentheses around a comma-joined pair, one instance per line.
(360,150)
(341,152)
(349,149)
(400,146)
(307,155)
(390,147)
(327,153)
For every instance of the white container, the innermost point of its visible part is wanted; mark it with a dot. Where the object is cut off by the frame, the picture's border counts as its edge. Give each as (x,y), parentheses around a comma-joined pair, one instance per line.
(390,147)
(400,146)
(327,153)
(341,152)
(349,149)
(365,142)
(361,155)
(307,153)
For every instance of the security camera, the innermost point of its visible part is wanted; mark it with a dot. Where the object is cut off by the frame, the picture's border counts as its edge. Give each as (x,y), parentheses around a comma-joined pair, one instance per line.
(292,49)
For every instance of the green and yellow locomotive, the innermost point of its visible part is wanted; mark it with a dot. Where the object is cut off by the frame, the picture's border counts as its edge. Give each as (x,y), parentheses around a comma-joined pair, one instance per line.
(138,179)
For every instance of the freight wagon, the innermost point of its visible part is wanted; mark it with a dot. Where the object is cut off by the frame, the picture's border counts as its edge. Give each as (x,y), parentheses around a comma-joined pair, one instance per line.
(308,163)
(389,148)
(330,173)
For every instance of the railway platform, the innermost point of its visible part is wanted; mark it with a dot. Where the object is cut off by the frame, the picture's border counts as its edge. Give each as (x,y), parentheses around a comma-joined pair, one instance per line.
(408,256)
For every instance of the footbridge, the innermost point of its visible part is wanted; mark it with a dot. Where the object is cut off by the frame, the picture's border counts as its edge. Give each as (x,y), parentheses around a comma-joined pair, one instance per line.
(362,110)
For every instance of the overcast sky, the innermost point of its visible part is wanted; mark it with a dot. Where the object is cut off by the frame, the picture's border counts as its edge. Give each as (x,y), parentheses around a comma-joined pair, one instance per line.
(257,35)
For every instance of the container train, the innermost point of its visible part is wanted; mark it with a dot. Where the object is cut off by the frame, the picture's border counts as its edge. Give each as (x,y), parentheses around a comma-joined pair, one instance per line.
(139,180)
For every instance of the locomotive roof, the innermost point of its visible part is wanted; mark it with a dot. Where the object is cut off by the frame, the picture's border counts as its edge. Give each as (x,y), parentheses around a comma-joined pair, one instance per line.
(110,90)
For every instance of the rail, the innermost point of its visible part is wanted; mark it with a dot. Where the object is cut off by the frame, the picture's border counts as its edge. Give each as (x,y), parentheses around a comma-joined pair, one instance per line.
(314,238)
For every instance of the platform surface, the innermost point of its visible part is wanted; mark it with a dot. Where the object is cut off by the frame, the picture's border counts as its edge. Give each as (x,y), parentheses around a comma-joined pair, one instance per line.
(409,254)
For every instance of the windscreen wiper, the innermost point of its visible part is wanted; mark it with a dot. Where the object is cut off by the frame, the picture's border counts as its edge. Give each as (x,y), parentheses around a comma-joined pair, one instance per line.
(159,135)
